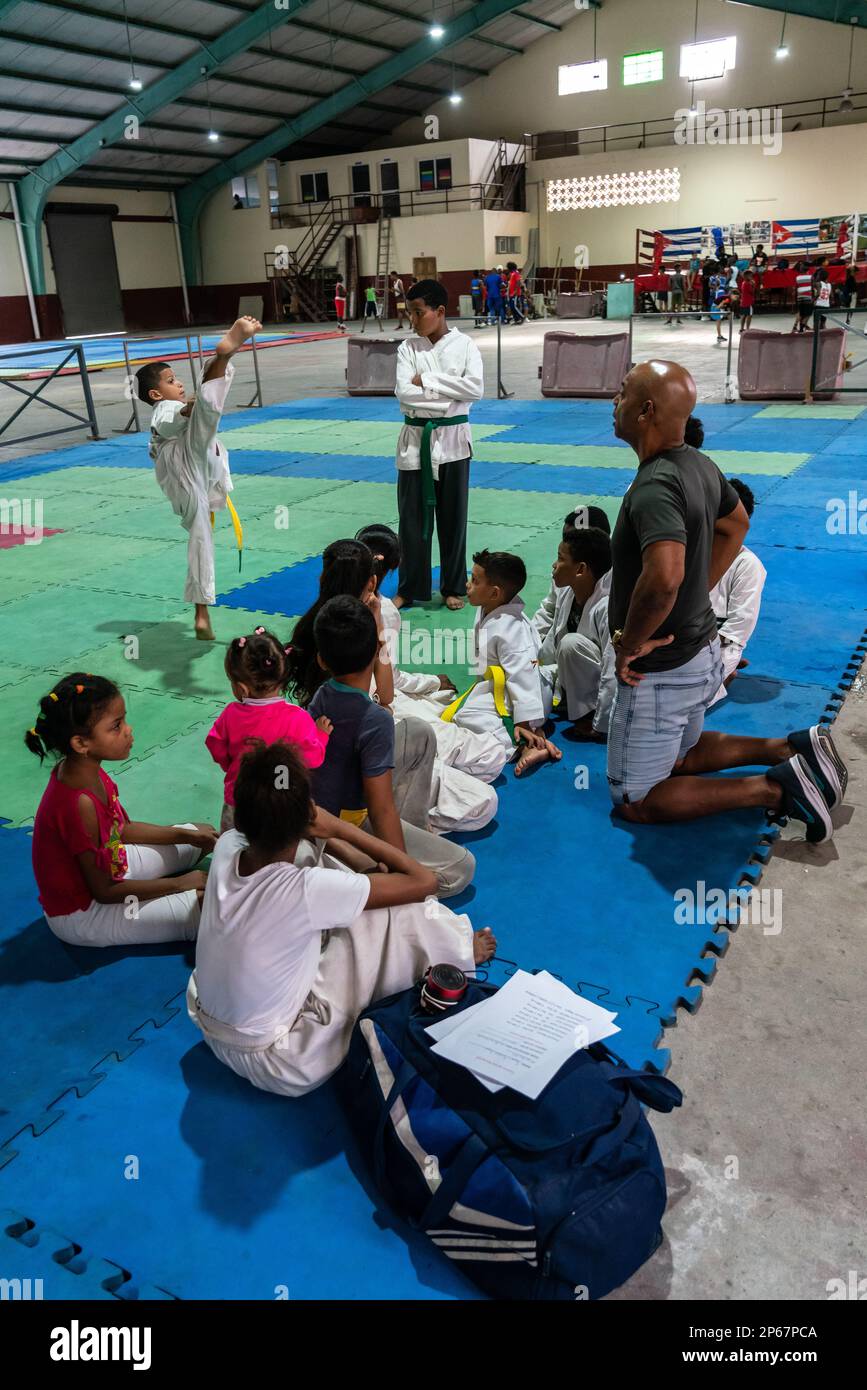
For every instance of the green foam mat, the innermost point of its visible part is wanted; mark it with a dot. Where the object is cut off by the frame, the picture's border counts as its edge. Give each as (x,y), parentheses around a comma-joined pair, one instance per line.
(169,656)
(158,719)
(173,784)
(817,411)
(373,438)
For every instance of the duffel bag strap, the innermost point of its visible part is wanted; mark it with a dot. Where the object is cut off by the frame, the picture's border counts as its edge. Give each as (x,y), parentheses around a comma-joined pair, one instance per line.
(470,1155)
(472,1152)
(651,1088)
(627,1118)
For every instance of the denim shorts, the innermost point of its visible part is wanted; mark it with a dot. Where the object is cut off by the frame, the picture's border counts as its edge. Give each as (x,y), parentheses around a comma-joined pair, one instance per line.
(655,723)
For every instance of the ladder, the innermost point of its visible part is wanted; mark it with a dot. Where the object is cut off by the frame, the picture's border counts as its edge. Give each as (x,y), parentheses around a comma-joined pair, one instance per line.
(383,256)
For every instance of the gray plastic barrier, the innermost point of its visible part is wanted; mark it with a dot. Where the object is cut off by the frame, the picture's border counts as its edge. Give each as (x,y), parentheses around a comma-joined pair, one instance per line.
(582,305)
(371,365)
(776,366)
(584,364)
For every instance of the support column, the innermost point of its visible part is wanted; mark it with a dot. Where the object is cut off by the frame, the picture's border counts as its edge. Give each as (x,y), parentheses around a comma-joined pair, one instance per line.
(190,201)
(31,204)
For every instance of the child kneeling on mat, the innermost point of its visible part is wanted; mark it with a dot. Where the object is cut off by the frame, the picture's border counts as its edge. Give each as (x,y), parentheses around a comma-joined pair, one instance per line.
(103,879)
(291,951)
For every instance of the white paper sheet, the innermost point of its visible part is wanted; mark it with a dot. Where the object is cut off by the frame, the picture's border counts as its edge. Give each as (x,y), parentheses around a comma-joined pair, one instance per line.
(523,1034)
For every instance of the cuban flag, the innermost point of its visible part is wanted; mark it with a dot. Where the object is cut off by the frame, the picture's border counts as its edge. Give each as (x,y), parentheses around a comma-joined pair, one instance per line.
(678,244)
(798,234)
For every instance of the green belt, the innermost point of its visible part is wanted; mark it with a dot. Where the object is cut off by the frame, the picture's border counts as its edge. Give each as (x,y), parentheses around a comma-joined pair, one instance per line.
(428,495)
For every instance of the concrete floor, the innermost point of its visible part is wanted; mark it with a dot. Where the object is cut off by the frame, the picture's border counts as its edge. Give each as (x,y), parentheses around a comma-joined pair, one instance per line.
(772,1064)
(317,369)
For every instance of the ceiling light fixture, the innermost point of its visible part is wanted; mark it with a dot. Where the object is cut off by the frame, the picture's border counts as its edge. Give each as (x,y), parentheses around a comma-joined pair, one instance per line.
(437,31)
(782,46)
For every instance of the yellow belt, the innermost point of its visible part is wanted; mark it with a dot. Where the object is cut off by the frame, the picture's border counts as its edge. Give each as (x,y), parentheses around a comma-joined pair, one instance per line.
(355,817)
(497,676)
(236,527)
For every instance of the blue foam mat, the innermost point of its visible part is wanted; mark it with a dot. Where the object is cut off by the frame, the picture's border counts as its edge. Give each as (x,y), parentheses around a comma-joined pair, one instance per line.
(213,1217)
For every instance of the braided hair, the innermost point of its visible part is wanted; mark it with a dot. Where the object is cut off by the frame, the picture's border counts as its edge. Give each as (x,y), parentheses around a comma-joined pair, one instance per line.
(258,661)
(347,567)
(71,709)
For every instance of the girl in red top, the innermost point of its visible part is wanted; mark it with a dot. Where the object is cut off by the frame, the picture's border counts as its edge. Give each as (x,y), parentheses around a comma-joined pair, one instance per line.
(103,879)
(258,671)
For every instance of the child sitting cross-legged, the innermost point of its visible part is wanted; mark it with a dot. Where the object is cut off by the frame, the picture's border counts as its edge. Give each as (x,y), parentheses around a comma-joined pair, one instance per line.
(103,879)
(290,952)
(258,671)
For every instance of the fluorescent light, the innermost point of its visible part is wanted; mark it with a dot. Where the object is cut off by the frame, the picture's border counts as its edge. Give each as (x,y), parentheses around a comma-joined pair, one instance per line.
(135,84)
(455,98)
(783,51)
(582,77)
(437,31)
(713,58)
(213,135)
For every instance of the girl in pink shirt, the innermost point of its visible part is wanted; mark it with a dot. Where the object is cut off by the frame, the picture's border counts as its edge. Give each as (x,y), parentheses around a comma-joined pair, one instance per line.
(259,672)
(103,879)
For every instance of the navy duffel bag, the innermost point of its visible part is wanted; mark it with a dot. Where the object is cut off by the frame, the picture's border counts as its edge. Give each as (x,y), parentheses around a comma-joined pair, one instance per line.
(557,1198)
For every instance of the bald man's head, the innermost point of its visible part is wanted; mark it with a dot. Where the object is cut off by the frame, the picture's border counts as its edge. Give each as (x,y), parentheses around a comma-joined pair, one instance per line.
(654,403)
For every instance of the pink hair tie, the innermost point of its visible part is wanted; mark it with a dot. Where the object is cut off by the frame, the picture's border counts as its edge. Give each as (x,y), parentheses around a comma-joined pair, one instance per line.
(242,641)
(258,632)
(287,649)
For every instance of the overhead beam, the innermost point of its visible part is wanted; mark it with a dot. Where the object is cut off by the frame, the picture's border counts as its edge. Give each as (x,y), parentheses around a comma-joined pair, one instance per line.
(192,198)
(149,26)
(424,21)
(66,82)
(36,187)
(254,83)
(534,19)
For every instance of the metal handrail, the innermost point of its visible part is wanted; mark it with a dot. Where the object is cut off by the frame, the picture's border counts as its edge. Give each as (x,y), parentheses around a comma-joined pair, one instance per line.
(578,141)
(346,207)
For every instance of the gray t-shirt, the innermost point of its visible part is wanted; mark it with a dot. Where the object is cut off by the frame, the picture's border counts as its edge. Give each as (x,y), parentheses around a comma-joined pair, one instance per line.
(361,745)
(675,496)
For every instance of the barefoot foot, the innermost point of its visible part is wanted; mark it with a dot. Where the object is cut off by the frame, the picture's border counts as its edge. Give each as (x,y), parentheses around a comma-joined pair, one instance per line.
(204,631)
(484,945)
(241,330)
(534,757)
(454,602)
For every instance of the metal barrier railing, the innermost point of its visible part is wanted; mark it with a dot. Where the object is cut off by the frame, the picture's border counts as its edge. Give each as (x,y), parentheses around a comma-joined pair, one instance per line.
(133,424)
(727,317)
(75,350)
(821,317)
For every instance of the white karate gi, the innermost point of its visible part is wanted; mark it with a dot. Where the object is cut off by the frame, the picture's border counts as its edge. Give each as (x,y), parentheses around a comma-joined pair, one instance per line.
(736,601)
(290,956)
(458,799)
(452,378)
(505,638)
(570,663)
(417,694)
(192,468)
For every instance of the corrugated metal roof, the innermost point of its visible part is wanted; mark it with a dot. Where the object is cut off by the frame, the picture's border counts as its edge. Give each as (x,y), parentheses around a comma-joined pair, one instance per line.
(65,66)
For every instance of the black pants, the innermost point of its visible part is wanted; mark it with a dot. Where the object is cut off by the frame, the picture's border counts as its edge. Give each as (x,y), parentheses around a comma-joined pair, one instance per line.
(452,495)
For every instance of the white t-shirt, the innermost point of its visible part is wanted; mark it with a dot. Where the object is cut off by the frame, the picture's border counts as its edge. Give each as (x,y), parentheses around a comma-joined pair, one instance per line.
(260,936)
(823,294)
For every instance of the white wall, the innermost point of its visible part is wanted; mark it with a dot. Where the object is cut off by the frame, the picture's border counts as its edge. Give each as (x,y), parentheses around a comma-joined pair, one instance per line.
(339,167)
(11,277)
(234,241)
(521,95)
(816,173)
